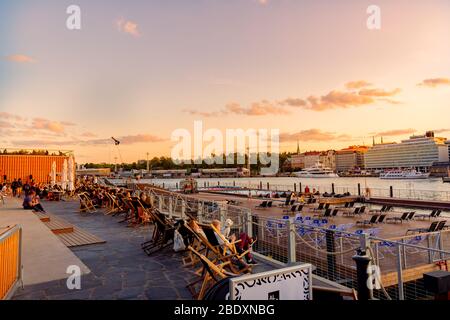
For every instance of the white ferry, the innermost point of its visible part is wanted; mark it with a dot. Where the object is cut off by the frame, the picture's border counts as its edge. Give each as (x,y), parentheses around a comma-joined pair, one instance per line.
(404,174)
(316,171)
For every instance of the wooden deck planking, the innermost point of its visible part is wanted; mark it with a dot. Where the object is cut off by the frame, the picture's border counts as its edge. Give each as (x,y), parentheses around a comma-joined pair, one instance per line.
(70,235)
(411,274)
(386,230)
(79,237)
(59,226)
(43,217)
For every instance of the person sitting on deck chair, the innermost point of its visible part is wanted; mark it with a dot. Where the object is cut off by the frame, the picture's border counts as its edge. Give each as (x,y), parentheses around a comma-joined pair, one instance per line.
(44,193)
(145,201)
(31,202)
(196,228)
(242,245)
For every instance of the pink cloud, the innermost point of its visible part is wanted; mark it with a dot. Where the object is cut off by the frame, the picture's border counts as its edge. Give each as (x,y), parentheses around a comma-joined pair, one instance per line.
(434,82)
(396,132)
(10,116)
(335,99)
(126,140)
(49,125)
(88,135)
(129,27)
(313,135)
(20,58)
(357,84)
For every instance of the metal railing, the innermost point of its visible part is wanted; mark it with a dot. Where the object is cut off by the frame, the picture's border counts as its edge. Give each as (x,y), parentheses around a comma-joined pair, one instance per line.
(329,248)
(397,193)
(10,260)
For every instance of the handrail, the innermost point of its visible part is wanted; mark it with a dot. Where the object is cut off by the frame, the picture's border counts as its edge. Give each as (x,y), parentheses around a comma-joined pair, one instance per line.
(422,234)
(410,245)
(11,260)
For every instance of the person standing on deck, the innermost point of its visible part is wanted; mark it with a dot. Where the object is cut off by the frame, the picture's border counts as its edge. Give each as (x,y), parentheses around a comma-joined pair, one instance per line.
(19,187)
(26,188)
(14,186)
(306,190)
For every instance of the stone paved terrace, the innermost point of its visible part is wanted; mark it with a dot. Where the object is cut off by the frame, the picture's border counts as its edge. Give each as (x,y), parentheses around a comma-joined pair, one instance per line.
(119,268)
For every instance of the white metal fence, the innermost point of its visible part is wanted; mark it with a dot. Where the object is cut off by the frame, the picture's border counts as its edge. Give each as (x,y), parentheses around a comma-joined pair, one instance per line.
(329,248)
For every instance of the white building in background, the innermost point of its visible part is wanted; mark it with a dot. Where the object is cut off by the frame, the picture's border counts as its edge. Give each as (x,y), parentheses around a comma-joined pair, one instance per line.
(350,158)
(418,152)
(448,144)
(328,159)
(311,158)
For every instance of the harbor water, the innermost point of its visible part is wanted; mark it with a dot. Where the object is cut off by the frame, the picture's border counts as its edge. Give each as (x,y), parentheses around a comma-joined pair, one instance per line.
(420,189)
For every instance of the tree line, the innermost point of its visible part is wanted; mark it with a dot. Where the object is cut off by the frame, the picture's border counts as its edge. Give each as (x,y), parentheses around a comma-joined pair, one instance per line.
(167,163)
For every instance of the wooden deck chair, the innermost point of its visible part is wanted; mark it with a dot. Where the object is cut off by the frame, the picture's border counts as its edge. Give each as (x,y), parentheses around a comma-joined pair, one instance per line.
(124,207)
(199,242)
(324,214)
(207,242)
(227,251)
(212,249)
(114,204)
(262,205)
(370,222)
(351,212)
(162,236)
(86,204)
(231,246)
(291,210)
(211,275)
(130,207)
(432,228)
(285,203)
(144,213)
(404,217)
(429,216)
(196,243)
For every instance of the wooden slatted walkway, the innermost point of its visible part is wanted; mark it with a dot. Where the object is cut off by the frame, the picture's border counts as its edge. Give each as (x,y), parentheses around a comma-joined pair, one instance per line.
(59,226)
(79,237)
(411,274)
(70,235)
(43,216)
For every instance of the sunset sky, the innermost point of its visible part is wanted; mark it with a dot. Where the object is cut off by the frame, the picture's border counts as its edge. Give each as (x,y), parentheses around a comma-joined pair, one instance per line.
(138,70)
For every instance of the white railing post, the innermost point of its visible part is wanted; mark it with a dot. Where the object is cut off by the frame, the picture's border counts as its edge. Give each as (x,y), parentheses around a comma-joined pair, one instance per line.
(200,211)
(249,223)
(152,199)
(160,203)
(222,213)
(401,294)
(170,207)
(291,242)
(183,208)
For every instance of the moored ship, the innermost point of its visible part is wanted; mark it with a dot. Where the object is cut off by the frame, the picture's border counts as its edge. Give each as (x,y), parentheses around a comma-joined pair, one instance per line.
(404,174)
(316,171)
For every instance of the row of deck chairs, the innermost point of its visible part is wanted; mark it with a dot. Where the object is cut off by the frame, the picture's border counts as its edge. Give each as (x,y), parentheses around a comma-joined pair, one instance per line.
(434,214)
(435,226)
(117,204)
(213,261)
(218,262)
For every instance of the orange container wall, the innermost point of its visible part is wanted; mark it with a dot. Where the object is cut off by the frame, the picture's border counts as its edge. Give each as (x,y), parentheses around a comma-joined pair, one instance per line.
(22,166)
(9,253)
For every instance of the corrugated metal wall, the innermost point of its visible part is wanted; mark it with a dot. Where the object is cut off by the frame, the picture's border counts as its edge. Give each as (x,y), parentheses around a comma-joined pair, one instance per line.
(22,166)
